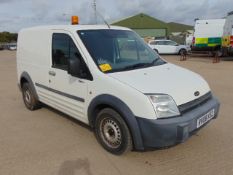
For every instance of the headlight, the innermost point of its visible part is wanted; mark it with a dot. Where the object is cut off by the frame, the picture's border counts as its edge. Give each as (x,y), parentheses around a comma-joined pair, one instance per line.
(164,106)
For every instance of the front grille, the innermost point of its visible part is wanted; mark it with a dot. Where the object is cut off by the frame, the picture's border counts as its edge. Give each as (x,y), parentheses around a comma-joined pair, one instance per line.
(195,103)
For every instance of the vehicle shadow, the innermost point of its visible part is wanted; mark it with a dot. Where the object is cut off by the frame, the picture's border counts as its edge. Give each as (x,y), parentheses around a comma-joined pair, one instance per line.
(72,167)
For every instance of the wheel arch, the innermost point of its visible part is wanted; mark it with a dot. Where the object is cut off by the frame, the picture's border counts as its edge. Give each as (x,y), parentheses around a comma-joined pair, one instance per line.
(108,101)
(25,77)
(182,49)
(156,50)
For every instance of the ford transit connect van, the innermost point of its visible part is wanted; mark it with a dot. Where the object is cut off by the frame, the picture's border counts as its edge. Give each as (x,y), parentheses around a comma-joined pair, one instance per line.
(111,80)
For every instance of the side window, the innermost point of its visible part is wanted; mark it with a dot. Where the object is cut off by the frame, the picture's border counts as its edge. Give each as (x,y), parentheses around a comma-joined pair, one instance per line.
(63,48)
(160,43)
(232,30)
(153,42)
(73,50)
(60,50)
(171,43)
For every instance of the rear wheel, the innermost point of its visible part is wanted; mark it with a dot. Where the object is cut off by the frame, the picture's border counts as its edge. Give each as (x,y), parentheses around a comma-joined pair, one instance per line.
(220,53)
(29,98)
(112,132)
(183,52)
(217,53)
(156,51)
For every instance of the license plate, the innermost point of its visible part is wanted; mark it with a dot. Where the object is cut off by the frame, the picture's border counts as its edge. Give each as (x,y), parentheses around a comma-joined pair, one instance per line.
(205,118)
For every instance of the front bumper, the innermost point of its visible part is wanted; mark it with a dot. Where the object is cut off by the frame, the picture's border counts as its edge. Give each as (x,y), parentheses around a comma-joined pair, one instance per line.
(167,132)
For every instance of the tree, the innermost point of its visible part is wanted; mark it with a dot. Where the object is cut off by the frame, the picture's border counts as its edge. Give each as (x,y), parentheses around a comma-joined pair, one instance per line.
(8,37)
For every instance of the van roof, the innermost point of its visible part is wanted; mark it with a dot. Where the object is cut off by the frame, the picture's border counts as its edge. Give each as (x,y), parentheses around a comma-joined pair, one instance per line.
(211,21)
(75,27)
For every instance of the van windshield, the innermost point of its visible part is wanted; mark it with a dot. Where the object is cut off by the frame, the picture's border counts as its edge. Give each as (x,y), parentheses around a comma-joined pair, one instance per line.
(118,50)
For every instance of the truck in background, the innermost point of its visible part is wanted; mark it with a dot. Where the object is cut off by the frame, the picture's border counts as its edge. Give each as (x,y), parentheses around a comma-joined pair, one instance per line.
(227,40)
(208,36)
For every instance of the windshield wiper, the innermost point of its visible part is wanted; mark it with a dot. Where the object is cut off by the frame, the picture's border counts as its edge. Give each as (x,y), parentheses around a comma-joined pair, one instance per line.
(140,65)
(154,61)
(134,66)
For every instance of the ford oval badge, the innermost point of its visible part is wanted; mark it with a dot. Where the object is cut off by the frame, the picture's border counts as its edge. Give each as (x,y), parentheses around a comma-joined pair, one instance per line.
(197,93)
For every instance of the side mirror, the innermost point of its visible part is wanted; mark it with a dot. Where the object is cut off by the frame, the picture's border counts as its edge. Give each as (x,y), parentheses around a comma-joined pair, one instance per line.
(77,68)
(74,67)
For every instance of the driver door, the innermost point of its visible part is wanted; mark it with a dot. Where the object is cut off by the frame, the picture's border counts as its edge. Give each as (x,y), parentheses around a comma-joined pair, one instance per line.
(67,93)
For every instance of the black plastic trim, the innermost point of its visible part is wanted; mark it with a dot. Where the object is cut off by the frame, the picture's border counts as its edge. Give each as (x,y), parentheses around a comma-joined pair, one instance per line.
(169,132)
(197,102)
(61,93)
(26,76)
(206,48)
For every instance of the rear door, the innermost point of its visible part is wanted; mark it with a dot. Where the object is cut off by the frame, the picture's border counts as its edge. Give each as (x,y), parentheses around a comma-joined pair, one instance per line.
(159,45)
(171,47)
(67,93)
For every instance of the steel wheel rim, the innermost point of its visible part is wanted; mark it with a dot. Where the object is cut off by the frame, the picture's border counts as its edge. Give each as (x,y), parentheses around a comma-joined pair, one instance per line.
(110,133)
(27,97)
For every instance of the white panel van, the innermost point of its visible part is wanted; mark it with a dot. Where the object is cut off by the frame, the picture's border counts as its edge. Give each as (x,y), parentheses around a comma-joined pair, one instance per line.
(227,43)
(208,35)
(109,79)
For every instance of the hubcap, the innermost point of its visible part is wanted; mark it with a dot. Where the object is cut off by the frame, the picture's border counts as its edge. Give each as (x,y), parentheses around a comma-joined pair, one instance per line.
(110,133)
(27,97)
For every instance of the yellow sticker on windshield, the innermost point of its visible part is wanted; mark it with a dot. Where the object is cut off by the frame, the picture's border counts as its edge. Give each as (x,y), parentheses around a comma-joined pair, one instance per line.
(105,67)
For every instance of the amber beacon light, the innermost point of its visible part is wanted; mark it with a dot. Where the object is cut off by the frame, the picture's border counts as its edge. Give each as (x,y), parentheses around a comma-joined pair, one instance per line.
(75,20)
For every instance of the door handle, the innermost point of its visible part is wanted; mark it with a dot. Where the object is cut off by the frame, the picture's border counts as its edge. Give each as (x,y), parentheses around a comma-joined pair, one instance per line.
(80,81)
(52,73)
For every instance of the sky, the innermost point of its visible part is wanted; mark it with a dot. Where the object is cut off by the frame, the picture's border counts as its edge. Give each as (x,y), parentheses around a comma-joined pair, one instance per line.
(18,14)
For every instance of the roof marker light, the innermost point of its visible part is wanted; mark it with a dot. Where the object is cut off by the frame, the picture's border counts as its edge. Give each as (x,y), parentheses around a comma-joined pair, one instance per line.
(75,20)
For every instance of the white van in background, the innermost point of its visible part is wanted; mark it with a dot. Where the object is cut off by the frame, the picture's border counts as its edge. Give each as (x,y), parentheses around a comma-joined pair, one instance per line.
(109,79)
(208,35)
(227,43)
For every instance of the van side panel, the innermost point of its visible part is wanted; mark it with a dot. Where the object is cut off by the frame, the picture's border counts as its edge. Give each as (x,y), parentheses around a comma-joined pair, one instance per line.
(208,34)
(34,50)
(228,36)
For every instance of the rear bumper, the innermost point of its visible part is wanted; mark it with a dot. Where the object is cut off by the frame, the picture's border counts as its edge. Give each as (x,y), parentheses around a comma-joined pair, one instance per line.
(204,49)
(227,50)
(167,132)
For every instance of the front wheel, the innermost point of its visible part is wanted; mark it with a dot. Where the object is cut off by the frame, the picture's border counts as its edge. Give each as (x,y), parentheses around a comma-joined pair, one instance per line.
(112,132)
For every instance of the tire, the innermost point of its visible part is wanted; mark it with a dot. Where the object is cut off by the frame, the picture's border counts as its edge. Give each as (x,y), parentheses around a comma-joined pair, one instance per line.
(219,52)
(156,51)
(182,51)
(112,132)
(29,98)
